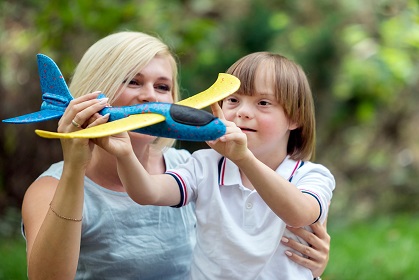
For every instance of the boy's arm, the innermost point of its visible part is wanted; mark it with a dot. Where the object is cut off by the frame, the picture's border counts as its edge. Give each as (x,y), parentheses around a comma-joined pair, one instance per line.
(146,189)
(294,207)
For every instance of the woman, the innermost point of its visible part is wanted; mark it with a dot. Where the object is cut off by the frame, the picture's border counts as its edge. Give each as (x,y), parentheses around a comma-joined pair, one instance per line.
(78,220)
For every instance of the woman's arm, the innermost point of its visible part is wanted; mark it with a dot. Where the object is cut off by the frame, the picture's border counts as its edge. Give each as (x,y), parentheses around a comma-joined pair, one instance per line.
(316,254)
(52,209)
(53,243)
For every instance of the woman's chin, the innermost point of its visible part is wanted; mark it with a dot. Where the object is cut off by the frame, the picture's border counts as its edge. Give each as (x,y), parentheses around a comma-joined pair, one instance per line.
(143,138)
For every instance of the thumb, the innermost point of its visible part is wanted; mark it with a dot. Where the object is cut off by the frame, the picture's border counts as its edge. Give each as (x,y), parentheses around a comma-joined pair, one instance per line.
(217,111)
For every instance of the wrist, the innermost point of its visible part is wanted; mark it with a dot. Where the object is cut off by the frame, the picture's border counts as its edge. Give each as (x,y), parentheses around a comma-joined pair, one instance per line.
(127,161)
(246,159)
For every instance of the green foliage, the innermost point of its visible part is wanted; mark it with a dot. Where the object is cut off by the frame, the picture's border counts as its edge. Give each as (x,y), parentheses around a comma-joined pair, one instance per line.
(361,57)
(12,247)
(384,248)
(13,259)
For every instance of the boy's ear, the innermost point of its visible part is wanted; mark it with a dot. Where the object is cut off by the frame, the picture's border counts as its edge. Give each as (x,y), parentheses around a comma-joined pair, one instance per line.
(293,125)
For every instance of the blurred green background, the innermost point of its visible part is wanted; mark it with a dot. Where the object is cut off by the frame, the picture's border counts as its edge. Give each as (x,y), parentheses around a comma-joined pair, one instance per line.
(361,58)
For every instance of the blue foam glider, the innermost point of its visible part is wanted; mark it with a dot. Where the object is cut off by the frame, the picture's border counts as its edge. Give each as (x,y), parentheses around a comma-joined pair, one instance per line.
(182,120)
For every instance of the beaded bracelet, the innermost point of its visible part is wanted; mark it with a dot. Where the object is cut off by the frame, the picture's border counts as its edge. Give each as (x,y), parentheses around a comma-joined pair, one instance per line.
(64,218)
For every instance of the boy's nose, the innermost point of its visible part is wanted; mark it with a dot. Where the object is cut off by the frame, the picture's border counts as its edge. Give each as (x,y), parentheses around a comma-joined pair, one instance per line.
(244,112)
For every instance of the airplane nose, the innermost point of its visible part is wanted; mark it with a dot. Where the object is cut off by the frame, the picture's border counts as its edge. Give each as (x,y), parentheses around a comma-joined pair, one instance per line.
(190,116)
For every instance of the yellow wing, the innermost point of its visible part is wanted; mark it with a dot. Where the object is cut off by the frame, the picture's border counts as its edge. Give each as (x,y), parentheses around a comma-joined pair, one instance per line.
(224,86)
(126,124)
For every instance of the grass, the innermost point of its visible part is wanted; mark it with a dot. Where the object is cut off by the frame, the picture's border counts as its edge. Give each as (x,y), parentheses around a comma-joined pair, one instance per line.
(13,258)
(384,248)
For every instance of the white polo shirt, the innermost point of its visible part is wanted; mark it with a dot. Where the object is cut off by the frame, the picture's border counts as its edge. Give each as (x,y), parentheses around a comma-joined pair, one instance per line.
(238,235)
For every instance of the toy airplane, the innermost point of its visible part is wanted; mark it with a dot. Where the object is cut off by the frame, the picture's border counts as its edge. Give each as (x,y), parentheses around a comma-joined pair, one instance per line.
(182,120)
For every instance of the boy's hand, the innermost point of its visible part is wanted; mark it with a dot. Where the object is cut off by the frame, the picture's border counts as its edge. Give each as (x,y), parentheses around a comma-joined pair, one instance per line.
(118,145)
(233,144)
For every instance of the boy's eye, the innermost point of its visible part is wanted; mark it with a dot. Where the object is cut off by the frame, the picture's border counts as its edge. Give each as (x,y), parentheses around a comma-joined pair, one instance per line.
(232,100)
(264,103)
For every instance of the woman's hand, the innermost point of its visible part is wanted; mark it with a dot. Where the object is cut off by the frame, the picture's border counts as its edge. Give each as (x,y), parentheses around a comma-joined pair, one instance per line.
(80,113)
(316,256)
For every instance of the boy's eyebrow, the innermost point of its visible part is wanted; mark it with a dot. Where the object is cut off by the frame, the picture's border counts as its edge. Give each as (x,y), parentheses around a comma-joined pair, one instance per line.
(265,93)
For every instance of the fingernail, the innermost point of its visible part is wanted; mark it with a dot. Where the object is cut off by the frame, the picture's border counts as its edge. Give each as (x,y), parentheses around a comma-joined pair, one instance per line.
(106,115)
(103,100)
(97,91)
(284,239)
(288,253)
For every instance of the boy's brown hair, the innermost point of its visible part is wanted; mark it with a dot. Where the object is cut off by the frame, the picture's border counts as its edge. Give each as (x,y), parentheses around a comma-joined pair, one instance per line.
(292,91)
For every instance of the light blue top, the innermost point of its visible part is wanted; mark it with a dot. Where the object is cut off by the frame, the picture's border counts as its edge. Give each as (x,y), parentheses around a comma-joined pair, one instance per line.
(124,240)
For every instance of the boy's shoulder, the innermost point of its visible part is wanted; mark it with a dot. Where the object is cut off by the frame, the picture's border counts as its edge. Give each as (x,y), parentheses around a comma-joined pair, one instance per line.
(207,154)
(313,167)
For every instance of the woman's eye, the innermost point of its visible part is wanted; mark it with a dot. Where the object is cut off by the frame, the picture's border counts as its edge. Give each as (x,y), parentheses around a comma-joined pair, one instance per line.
(134,83)
(163,87)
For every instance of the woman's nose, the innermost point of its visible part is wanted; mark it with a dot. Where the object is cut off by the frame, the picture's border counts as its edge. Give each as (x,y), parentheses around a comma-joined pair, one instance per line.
(147,94)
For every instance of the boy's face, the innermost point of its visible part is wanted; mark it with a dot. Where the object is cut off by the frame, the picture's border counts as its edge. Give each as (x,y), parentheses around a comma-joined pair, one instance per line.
(261,118)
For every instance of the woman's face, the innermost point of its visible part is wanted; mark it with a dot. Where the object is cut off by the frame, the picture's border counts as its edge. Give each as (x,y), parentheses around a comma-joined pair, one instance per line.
(154,83)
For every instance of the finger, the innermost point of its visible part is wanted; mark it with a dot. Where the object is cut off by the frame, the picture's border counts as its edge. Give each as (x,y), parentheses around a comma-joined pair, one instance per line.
(320,231)
(96,116)
(301,232)
(82,112)
(305,262)
(79,104)
(101,120)
(86,97)
(314,241)
(305,250)
(212,143)
(217,111)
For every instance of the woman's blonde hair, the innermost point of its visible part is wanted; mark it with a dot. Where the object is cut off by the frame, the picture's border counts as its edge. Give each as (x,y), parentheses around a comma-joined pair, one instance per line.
(292,91)
(117,58)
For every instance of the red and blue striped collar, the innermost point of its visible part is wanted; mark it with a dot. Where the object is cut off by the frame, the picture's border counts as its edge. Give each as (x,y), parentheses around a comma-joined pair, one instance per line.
(288,166)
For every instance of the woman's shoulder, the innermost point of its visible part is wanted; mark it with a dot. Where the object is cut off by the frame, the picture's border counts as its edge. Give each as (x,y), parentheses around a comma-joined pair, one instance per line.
(55,170)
